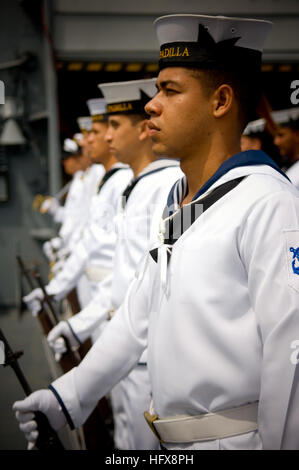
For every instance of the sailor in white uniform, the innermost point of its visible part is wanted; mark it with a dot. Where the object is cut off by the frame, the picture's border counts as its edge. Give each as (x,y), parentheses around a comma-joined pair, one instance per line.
(73,213)
(91,178)
(138,220)
(74,163)
(287,140)
(96,169)
(251,138)
(92,173)
(216,300)
(94,249)
(51,205)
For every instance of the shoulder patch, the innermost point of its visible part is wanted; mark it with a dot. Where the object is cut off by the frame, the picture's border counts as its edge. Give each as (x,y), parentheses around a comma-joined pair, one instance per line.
(292,254)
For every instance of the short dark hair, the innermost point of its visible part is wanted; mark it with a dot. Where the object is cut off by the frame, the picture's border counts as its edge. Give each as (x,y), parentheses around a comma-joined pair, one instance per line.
(246,87)
(292,124)
(136,118)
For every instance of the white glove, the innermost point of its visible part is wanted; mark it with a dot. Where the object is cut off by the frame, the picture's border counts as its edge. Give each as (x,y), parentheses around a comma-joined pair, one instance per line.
(56,243)
(58,266)
(50,205)
(51,248)
(64,252)
(48,250)
(57,343)
(33,301)
(44,401)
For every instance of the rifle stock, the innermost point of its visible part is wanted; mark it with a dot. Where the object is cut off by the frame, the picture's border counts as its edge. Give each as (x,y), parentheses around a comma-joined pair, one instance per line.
(96,432)
(72,298)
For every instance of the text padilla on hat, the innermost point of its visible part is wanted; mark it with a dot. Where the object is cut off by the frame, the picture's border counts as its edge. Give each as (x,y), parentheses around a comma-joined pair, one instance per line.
(210,42)
(128,97)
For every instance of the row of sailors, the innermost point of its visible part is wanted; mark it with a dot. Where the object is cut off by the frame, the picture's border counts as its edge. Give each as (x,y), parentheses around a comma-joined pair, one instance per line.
(106,238)
(210,309)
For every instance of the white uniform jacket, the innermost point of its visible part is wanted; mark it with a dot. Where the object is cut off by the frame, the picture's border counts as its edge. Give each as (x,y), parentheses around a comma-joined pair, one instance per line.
(293,173)
(72,206)
(97,244)
(137,224)
(220,320)
(76,208)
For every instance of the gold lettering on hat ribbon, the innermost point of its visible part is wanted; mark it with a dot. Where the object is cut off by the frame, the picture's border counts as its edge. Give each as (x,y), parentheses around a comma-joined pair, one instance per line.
(119,107)
(174,52)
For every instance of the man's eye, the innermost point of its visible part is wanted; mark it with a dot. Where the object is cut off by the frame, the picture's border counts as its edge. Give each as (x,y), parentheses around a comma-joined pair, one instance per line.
(170,91)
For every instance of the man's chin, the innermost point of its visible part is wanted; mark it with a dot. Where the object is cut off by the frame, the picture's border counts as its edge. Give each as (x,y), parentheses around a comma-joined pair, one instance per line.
(159,150)
(96,160)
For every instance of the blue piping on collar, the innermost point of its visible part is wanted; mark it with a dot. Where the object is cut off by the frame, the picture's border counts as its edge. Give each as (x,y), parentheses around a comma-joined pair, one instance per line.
(247,158)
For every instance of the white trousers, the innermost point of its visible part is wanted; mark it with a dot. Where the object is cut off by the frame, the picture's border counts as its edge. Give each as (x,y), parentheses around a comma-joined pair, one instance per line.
(247,441)
(130,399)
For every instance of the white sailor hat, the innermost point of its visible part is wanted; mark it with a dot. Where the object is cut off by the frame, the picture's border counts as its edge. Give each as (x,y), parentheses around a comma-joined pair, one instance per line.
(128,97)
(97,109)
(78,137)
(254,128)
(287,118)
(84,123)
(70,148)
(210,42)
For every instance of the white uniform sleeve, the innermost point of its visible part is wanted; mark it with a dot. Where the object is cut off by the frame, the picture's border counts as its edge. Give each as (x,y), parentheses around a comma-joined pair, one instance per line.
(59,215)
(267,248)
(67,278)
(84,323)
(112,356)
(91,242)
(74,208)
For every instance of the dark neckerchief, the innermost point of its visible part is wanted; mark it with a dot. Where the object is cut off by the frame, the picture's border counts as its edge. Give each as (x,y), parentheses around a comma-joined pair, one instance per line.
(108,175)
(176,225)
(132,184)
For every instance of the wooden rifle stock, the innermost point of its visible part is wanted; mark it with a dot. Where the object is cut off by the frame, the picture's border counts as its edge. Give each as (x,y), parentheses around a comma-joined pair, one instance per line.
(96,432)
(72,298)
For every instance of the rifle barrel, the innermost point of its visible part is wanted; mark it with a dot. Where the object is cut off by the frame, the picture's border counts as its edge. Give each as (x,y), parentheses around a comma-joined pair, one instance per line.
(46,297)
(25,272)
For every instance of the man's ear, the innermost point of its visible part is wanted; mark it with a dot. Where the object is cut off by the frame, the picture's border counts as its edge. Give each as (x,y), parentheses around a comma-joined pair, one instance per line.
(296,136)
(222,100)
(143,130)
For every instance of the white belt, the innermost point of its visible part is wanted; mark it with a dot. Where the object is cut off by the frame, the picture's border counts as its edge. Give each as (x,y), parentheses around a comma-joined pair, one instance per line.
(95,273)
(205,427)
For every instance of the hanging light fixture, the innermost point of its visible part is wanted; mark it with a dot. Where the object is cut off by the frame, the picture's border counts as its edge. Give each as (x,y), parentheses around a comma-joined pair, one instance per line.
(11,133)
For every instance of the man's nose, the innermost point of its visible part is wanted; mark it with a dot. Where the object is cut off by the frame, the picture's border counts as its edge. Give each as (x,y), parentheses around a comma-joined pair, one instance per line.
(108,136)
(153,107)
(90,138)
(276,141)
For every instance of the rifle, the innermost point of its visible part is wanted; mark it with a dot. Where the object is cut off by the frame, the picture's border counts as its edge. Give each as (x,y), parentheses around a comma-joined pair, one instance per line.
(43,316)
(48,318)
(72,299)
(47,437)
(95,430)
